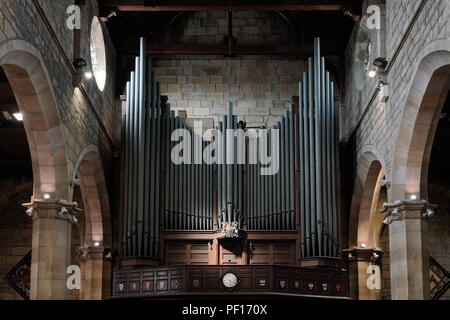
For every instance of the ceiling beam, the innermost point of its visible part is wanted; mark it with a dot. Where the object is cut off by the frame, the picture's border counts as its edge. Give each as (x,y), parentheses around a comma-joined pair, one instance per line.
(225,50)
(220,5)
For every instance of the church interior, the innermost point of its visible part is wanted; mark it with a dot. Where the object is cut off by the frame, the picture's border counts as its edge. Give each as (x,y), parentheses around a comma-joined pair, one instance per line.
(287,150)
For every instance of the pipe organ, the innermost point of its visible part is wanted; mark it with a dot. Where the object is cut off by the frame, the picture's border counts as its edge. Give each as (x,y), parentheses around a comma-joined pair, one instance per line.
(268,198)
(317,154)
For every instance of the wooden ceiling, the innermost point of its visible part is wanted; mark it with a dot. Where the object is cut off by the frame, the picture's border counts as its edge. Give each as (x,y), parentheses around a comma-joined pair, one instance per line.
(153,18)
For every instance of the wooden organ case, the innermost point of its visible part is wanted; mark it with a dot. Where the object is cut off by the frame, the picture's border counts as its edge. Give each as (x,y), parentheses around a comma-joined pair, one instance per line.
(255,214)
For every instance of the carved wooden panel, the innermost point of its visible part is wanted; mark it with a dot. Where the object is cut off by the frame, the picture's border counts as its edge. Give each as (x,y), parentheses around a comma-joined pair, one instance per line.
(252,279)
(267,253)
(185,253)
(230,253)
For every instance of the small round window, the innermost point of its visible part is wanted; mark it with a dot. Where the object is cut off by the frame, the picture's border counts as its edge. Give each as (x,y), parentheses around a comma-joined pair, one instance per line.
(98,53)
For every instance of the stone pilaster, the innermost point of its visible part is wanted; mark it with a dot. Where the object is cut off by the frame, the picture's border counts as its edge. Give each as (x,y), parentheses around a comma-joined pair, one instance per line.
(359,261)
(52,226)
(93,265)
(409,257)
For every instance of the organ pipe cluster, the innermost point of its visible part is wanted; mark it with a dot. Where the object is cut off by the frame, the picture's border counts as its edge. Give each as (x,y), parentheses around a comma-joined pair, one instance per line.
(230,171)
(189,186)
(142,155)
(317,137)
(271,198)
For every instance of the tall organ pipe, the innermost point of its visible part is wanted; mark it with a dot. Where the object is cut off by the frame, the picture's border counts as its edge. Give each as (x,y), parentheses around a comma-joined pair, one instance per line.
(126,155)
(136,159)
(318,134)
(323,166)
(333,164)
(317,126)
(301,168)
(329,143)
(292,165)
(158,168)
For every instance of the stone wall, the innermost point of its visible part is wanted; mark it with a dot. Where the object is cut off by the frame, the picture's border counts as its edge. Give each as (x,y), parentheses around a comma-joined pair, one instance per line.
(260,87)
(378,131)
(19,19)
(15,235)
(439,228)
(379,128)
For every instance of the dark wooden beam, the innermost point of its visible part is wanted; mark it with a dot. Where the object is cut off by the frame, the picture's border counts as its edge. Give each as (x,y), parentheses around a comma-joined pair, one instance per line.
(224,50)
(220,5)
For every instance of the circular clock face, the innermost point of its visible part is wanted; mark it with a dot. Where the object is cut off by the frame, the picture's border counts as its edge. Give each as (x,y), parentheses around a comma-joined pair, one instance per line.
(229,280)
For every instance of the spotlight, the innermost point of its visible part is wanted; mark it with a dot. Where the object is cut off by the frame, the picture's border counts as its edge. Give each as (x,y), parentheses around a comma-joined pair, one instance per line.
(79,64)
(88,75)
(430,213)
(380,63)
(7,115)
(363,245)
(64,211)
(386,221)
(381,84)
(97,244)
(372,73)
(75,182)
(413,197)
(376,255)
(46,196)
(18,116)
(30,212)
(106,19)
(385,183)
(395,212)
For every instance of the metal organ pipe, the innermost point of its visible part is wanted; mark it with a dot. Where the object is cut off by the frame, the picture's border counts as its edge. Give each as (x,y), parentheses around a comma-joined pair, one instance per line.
(186,197)
(317,126)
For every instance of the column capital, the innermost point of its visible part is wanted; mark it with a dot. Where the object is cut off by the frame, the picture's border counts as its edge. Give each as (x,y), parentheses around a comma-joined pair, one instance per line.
(407,209)
(94,252)
(363,254)
(56,209)
(91,252)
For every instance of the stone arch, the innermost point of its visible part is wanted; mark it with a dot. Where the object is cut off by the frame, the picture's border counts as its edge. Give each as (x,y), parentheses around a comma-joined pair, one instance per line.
(29,80)
(89,170)
(97,224)
(424,103)
(366,190)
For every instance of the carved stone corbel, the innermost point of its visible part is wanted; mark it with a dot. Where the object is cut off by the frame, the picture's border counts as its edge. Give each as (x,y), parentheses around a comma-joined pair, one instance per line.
(56,209)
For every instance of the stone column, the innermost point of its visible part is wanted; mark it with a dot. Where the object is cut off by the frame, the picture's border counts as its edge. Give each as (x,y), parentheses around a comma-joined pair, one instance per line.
(92,267)
(52,226)
(409,257)
(359,261)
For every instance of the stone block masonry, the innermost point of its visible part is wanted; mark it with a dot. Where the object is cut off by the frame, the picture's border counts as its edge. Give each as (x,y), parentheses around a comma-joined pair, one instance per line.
(261,88)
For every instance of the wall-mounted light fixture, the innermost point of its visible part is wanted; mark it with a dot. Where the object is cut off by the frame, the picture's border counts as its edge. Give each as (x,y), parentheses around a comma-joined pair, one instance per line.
(80,65)
(380,64)
(108,17)
(18,116)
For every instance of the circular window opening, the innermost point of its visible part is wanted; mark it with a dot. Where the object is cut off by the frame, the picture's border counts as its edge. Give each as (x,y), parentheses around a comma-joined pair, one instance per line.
(98,53)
